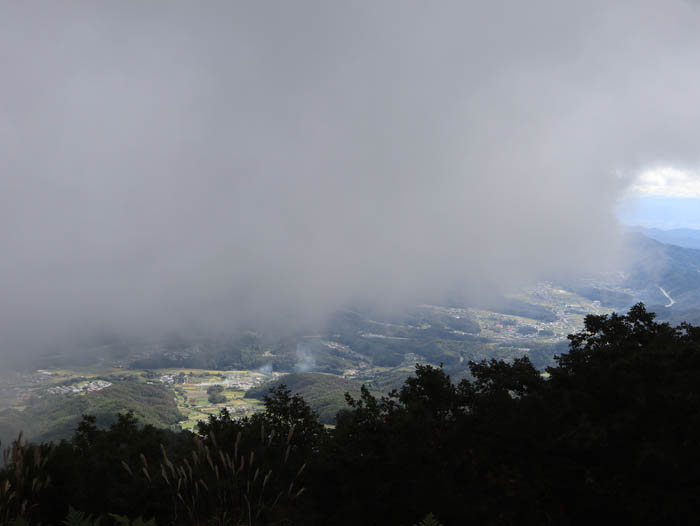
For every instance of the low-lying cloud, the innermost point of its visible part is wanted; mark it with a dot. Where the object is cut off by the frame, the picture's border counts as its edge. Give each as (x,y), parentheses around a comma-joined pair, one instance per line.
(172,165)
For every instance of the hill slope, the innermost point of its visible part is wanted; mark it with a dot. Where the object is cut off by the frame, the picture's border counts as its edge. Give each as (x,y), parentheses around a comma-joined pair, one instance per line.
(325,393)
(55,417)
(682,237)
(673,268)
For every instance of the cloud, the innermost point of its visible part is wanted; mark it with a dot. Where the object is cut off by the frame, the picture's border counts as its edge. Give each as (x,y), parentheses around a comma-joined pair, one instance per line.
(172,166)
(667,182)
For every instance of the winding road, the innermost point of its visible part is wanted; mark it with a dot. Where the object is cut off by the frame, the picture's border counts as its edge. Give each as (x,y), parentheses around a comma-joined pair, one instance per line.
(671,301)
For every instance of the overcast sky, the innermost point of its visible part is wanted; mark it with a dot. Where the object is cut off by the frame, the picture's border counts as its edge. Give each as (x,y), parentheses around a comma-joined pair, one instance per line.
(175,163)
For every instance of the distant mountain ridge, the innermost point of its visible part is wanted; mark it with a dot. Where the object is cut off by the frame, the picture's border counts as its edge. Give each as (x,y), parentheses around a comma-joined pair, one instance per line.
(664,276)
(664,267)
(682,237)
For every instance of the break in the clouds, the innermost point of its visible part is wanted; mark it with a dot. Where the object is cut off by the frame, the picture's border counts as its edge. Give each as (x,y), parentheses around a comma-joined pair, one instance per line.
(662,197)
(666,182)
(173,164)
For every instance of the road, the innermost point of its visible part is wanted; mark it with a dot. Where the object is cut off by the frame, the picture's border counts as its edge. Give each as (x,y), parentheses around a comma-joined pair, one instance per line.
(671,301)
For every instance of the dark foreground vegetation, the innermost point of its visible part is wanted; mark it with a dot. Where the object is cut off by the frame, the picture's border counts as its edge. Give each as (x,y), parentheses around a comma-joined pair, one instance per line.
(611,434)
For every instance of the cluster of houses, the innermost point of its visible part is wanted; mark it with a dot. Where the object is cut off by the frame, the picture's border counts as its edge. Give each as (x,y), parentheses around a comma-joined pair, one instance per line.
(238,380)
(87,387)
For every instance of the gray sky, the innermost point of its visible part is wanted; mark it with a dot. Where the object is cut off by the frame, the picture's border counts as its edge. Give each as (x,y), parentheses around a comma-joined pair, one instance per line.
(174,163)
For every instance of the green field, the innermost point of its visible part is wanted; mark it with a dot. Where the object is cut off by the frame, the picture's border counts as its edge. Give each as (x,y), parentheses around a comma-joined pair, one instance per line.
(192,397)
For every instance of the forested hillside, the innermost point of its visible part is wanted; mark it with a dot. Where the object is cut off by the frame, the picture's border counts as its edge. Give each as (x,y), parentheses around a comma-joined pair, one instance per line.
(55,417)
(325,393)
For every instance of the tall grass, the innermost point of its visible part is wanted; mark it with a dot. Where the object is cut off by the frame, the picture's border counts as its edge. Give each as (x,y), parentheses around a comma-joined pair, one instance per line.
(22,479)
(227,486)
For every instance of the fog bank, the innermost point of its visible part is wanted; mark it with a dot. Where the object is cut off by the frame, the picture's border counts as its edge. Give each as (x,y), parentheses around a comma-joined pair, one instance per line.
(169,164)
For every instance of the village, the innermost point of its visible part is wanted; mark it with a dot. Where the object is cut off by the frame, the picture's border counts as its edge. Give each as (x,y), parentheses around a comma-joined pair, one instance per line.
(80,388)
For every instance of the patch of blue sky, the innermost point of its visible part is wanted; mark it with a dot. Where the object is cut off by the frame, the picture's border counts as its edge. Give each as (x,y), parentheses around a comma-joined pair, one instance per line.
(664,212)
(665,198)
